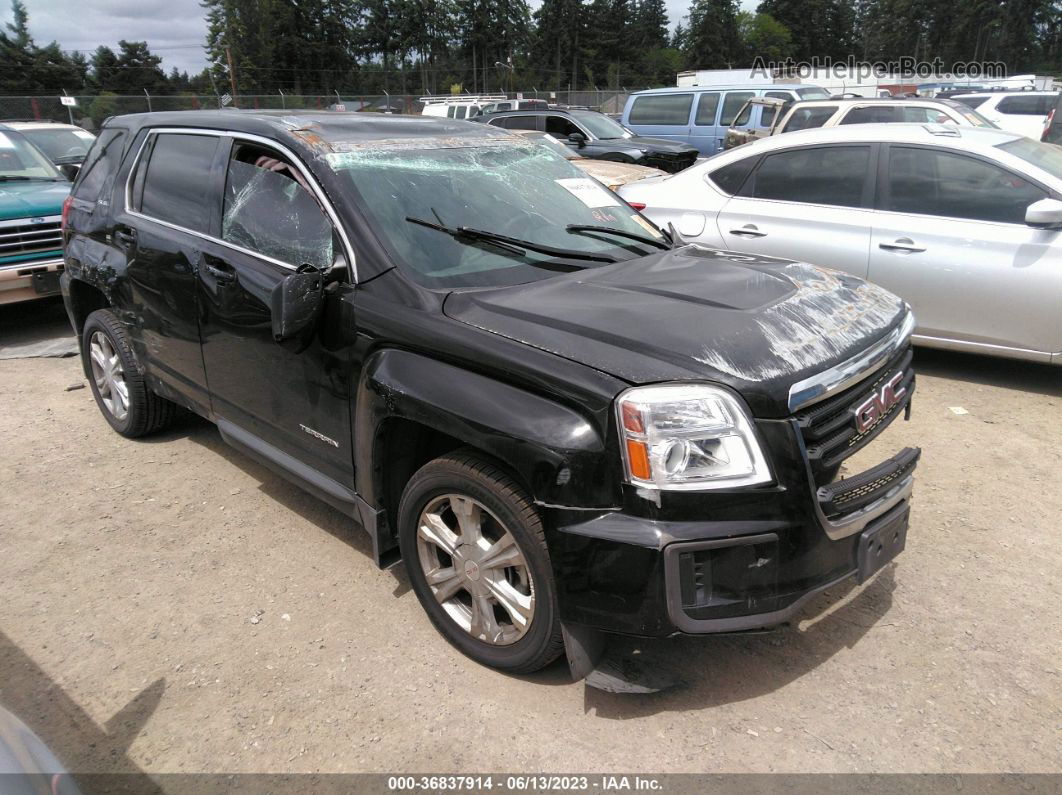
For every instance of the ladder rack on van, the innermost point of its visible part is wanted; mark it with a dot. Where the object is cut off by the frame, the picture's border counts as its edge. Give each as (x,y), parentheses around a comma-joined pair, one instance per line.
(479,98)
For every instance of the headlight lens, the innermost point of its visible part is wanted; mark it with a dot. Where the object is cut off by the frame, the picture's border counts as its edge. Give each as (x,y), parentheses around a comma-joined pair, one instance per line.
(688,437)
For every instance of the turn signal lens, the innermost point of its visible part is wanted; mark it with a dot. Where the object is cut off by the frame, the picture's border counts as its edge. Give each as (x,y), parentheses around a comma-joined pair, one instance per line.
(638,459)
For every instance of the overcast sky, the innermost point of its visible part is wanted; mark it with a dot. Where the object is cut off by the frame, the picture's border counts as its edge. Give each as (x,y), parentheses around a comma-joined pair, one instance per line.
(174,29)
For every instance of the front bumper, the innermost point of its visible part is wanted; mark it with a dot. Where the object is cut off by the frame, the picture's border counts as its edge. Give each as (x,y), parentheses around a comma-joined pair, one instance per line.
(26,281)
(656,570)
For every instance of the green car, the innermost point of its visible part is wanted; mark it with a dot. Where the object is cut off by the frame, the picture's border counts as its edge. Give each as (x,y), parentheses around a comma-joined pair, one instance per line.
(32,191)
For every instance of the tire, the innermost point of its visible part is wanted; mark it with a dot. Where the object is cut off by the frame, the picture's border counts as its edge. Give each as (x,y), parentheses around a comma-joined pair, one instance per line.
(143,411)
(497,606)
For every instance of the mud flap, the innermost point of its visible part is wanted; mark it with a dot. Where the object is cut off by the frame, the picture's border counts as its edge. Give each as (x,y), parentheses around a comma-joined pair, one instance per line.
(585,651)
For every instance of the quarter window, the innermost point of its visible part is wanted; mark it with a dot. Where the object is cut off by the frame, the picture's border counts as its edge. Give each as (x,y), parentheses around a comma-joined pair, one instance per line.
(730,177)
(707,109)
(270,210)
(834,175)
(932,182)
(176,183)
(101,163)
(662,109)
(1026,105)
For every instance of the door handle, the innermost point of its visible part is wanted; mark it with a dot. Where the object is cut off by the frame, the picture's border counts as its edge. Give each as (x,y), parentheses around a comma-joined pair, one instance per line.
(904,244)
(125,236)
(748,230)
(222,272)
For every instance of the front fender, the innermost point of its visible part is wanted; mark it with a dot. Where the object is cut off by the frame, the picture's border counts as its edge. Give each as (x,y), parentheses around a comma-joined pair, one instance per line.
(558,452)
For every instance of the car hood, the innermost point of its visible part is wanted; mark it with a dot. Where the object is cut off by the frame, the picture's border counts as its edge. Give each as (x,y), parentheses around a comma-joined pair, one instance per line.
(32,199)
(756,324)
(612,173)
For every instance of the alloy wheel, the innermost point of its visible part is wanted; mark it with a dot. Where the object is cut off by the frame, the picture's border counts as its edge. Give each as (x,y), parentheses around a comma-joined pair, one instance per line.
(109,375)
(475,569)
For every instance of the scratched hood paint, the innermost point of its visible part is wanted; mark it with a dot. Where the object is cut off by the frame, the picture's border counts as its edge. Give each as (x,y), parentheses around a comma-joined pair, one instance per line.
(752,323)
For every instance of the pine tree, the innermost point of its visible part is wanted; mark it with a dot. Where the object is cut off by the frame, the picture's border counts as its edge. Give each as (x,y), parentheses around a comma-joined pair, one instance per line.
(713,40)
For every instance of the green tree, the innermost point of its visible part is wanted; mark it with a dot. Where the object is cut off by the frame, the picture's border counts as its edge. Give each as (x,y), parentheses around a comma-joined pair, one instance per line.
(713,40)
(818,28)
(764,36)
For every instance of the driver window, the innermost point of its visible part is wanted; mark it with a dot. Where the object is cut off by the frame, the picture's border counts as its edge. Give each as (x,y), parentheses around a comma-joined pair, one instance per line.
(270,210)
(558,125)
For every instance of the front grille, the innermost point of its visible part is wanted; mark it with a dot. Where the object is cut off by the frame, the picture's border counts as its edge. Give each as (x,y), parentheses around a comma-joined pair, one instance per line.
(858,491)
(18,241)
(829,428)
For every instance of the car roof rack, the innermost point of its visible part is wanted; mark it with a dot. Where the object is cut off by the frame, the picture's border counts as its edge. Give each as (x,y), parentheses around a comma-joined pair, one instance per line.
(946,130)
(432,100)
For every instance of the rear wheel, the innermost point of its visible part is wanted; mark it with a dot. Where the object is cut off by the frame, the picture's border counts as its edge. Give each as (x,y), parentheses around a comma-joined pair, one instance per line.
(476,554)
(124,399)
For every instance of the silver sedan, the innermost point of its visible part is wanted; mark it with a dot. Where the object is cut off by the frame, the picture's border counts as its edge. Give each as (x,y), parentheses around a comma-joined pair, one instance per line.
(963,223)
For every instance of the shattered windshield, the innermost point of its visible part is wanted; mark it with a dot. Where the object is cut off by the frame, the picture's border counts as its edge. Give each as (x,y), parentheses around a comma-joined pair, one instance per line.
(508,187)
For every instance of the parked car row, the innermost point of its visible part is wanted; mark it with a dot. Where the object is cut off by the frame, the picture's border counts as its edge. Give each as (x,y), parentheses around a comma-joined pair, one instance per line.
(961,222)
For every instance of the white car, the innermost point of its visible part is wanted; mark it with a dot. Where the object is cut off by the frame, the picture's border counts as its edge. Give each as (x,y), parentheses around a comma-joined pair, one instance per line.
(1023,112)
(965,223)
(63,144)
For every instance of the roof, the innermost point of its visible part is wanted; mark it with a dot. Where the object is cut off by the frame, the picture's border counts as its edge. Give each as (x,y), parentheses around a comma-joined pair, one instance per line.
(724,86)
(316,129)
(949,135)
(889,101)
(41,124)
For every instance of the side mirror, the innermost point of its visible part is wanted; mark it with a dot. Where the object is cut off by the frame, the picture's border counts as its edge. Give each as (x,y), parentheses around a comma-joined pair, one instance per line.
(296,304)
(1044,214)
(578,139)
(69,170)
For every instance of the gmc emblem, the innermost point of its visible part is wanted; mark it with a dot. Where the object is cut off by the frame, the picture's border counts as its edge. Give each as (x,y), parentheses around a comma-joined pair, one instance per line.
(871,410)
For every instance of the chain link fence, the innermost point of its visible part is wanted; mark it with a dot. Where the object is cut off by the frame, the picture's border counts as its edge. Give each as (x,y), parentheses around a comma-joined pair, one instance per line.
(90,111)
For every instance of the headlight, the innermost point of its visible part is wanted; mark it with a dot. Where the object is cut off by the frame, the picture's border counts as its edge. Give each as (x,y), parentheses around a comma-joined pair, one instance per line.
(688,437)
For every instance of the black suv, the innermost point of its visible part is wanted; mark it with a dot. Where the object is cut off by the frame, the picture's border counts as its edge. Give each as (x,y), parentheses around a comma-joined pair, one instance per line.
(564,421)
(596,135)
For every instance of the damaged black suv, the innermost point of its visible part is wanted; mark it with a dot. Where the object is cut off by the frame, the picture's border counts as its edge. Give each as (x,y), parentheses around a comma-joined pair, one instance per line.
(564,421)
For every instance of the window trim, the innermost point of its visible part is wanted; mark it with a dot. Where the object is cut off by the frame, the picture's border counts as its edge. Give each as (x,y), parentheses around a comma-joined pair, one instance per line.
(233,135)
(866,201)
(882,196)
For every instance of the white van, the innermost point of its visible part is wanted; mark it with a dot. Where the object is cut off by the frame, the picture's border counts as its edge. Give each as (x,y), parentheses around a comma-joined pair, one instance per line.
(459,106)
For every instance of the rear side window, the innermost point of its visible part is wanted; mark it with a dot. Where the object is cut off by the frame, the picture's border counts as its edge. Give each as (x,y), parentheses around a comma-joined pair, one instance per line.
(732,104)
(808,118)
(729,178)
(1025,105)
(833,175)
(101,165)
(520,123)
(971,102)
(872,114)
(661,109)
(932,182)
(177,180)
(558,125)
(707,109)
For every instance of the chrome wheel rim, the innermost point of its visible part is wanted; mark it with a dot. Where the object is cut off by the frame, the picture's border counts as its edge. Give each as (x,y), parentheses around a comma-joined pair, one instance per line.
(475,569)
(109,375)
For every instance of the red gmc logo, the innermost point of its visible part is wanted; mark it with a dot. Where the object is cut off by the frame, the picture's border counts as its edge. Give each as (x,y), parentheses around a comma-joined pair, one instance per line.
(877,405)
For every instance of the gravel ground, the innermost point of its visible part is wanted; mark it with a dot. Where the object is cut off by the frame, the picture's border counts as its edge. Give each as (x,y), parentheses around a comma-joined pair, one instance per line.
(171,606)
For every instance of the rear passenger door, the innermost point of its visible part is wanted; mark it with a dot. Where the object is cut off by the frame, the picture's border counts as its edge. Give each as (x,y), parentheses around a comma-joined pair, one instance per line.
(705,134)
(272,222)
(808,204)
(172,207)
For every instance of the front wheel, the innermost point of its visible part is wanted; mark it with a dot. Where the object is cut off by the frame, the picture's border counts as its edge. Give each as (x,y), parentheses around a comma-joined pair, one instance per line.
(476,554)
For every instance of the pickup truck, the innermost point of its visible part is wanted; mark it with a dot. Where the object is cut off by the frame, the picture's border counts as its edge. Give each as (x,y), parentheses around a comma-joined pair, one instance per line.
(565,422)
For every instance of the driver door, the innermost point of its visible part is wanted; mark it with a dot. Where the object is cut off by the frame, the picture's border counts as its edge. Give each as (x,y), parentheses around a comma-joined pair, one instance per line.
(294,402)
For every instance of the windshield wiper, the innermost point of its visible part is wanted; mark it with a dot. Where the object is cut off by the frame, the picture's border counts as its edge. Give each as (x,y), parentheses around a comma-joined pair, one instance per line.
(512,244)
(20,178)
(577,228)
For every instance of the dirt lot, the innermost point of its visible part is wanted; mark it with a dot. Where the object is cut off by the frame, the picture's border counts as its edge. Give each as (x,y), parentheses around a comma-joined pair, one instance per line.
(131,572)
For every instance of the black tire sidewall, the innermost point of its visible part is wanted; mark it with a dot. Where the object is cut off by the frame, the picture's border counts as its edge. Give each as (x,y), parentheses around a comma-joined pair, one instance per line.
(104,321)
(442,477)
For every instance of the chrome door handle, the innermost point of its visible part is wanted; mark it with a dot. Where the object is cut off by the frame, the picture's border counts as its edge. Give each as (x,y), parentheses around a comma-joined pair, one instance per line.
(749,230)
(903,244)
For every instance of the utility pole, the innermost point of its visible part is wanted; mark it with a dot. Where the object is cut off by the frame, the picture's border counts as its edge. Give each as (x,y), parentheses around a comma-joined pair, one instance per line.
(232,72)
